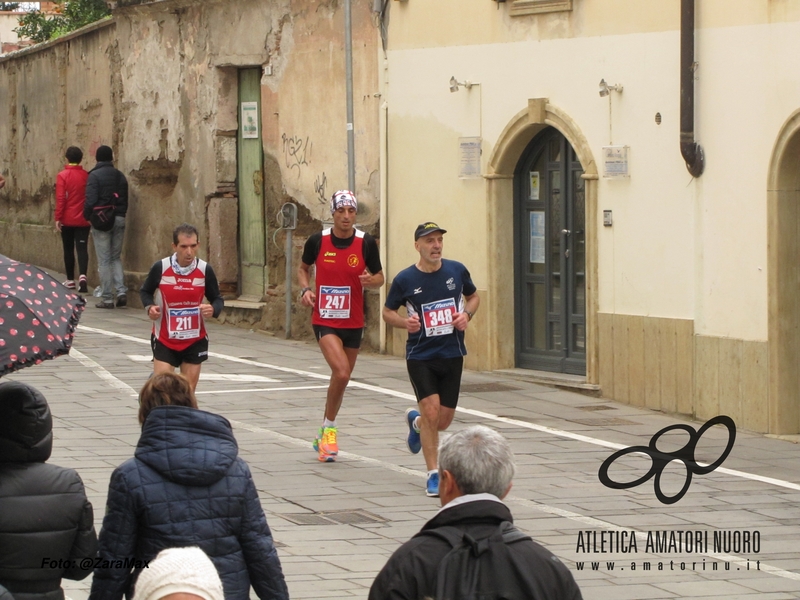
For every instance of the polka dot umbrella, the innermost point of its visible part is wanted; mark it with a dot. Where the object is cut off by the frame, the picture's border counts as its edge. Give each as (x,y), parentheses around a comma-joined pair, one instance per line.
(38,316)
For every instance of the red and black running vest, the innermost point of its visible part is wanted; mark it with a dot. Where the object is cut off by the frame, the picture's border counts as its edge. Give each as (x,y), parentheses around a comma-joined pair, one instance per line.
(340,297)
(179,297)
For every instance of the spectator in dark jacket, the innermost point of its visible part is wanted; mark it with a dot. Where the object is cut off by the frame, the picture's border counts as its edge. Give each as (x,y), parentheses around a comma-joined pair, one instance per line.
(70,201)
(476,467)
(107,185)
(186,486)
(46,522)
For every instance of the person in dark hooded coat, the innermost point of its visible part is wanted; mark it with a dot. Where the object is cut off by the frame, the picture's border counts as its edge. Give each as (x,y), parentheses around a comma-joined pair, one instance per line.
(185,486)
(46,522)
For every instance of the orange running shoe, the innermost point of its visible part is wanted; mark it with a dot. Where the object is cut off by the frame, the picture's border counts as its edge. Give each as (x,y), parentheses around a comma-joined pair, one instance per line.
(328,448)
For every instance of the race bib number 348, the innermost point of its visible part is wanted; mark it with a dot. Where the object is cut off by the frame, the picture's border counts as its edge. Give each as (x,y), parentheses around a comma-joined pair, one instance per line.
(334,302)
(438,317)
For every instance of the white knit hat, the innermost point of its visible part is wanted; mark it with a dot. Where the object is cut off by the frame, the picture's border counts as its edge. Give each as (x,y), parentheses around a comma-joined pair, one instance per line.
(176,570)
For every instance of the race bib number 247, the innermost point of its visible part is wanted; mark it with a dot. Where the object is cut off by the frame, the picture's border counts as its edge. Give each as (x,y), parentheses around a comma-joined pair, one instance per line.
(334,301)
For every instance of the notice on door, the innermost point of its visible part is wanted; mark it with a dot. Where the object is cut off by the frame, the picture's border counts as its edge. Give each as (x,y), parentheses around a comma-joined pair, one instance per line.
(249,122)
(534,195)
(537,236)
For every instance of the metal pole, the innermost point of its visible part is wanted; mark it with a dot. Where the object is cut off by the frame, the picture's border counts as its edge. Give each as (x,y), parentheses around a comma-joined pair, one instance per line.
(288,283)
(348,53)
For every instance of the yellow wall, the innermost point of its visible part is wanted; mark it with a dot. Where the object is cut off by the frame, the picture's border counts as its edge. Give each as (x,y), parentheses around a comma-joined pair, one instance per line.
(685,268)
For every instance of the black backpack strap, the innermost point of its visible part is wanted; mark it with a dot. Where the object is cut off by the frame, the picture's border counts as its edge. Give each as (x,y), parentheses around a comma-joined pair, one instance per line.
(455,536)
(512,534)
(448,533)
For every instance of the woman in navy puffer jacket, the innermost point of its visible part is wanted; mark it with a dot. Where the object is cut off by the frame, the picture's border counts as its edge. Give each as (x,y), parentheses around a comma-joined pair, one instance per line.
(185,486)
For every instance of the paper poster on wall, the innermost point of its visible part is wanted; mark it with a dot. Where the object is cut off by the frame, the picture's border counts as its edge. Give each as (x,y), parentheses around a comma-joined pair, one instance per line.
(469,164)
(250,120)
(615,161)
(534,185)
(537,236)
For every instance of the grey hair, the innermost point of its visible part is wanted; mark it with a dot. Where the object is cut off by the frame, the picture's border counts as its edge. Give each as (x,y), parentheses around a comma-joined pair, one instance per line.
(480,460)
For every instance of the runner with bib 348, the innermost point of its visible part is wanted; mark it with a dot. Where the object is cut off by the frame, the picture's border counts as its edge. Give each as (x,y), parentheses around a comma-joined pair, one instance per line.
(440,300)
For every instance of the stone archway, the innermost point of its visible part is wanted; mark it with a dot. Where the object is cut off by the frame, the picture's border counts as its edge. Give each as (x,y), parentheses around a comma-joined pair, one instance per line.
(513,140)
(783,248)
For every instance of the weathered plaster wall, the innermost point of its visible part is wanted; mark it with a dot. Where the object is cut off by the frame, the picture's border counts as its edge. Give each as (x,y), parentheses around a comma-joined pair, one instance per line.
(160,85)
(51,97)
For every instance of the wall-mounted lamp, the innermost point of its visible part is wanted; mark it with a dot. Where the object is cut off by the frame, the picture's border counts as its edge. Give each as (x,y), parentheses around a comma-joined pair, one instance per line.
(605,88)
(454,84)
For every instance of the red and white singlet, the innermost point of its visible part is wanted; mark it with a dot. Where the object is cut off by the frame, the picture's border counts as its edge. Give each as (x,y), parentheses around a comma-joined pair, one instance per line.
(340,297)
(179,297)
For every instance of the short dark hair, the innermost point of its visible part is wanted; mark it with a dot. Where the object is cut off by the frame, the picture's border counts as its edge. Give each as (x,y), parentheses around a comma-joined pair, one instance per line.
(104,154)
(165,389)
(185,229)
(74,155)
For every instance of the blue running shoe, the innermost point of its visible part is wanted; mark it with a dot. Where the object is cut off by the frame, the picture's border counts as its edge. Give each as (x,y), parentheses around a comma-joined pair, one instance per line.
(433,485)
(413,440)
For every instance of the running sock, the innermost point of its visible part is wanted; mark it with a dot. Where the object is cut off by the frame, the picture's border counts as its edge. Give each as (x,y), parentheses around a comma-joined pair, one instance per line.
(432,471)
(416,424)
(326,423)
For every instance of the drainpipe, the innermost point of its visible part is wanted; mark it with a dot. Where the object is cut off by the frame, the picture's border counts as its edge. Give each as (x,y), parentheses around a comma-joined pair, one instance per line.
(690,150)
(348,53)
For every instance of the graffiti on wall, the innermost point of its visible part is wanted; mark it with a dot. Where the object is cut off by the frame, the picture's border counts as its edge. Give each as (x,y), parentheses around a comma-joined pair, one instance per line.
(319,188)
(296,152)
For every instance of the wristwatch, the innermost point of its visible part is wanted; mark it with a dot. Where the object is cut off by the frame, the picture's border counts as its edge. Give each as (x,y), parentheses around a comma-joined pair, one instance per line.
(469,314)
(303,292)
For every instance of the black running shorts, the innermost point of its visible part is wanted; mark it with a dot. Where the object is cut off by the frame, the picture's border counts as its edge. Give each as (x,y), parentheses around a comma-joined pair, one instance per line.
(194,354)
(351,338)
(437,376)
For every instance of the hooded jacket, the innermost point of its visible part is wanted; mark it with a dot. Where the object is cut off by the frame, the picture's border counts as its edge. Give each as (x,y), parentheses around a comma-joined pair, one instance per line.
(186,486)
(46,522)
(103,182)
(411,572)
(71,196)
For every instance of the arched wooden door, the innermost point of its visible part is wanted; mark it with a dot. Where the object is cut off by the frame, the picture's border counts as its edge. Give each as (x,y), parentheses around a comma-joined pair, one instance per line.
(550,257)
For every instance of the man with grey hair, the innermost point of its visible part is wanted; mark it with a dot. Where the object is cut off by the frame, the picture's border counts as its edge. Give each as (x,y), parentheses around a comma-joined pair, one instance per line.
(476,466)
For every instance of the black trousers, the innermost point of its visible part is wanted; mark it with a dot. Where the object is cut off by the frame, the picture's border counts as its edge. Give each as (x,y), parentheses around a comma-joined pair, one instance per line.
(75,240)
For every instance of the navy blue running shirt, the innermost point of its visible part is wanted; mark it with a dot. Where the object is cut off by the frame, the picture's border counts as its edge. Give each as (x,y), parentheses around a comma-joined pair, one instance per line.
(436,298)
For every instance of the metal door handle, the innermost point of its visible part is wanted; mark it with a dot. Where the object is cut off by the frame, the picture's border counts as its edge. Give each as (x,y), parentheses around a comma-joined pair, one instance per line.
(566,231)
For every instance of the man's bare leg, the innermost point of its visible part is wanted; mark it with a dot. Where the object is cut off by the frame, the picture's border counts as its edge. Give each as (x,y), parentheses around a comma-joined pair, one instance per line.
(342,361)
(433,418)
(192,373)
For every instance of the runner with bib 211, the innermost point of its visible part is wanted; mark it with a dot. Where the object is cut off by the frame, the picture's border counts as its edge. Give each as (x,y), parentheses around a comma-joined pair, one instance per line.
(172,296)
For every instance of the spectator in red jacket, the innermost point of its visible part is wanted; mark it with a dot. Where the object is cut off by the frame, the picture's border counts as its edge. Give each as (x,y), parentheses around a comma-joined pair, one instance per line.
(70,197)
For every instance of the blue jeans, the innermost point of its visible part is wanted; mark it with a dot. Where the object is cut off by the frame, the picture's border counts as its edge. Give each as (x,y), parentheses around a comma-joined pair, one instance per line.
(108,246)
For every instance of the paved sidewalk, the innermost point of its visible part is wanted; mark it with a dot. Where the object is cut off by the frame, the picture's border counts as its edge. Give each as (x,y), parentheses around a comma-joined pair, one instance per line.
(336,524)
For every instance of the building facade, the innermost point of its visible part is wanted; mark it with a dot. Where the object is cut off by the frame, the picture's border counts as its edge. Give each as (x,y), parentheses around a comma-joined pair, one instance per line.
(546,136)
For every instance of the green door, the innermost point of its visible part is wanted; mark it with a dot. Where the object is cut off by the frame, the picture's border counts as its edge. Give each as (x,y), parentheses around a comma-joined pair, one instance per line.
(550,257)
(250,183)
